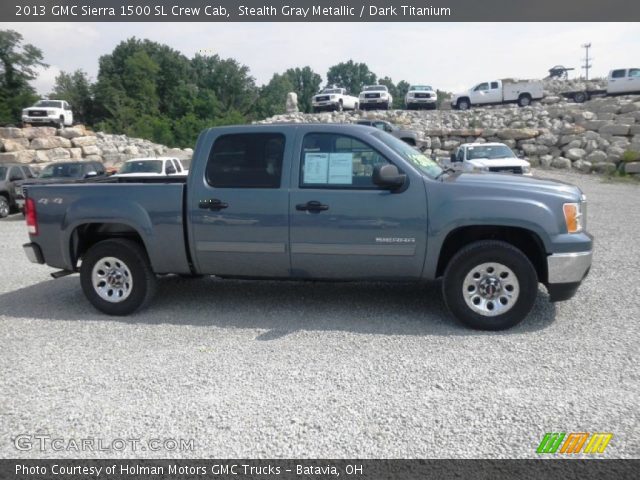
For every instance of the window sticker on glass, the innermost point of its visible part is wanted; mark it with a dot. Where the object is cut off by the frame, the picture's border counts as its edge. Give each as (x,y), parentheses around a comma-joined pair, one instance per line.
(316,167)
(340,168)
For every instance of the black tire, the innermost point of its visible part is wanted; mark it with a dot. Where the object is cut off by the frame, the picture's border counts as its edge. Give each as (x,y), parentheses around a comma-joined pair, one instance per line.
(356,106)
(340,106)
(463,104)
(5,208)
(524,100)
(580,97)
(471,257)
(135,259)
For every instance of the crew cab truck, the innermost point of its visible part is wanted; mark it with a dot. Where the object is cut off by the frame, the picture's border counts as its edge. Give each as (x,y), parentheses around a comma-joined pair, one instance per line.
(375,97)
(619,82)
(408,136)
(318,202)
(419,96)
(333,99)
(489,157)
(53,112)
(522,92)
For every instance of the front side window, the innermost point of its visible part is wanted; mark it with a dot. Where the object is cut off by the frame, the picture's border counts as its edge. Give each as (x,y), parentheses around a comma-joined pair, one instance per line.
(246,160)
(16,174)
(64,170)
(337,161)
(482,87)
(634,72)
(618,73)
(142,166)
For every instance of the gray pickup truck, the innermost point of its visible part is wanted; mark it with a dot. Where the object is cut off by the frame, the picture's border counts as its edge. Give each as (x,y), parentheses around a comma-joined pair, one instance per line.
(319,202)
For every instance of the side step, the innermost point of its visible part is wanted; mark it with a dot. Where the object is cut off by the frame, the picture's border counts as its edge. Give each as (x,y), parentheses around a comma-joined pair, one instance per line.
(62,273)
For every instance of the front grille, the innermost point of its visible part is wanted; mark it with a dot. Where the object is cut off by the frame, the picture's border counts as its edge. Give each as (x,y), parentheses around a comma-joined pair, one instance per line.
(371,95)
(506,169)
(322,99)
(37,113)
(423,95)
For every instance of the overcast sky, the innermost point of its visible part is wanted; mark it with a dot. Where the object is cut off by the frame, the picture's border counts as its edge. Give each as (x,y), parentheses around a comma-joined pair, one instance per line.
(449,56)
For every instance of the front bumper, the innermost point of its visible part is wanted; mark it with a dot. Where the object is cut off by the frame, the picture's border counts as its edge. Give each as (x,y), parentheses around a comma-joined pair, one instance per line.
(27,119)
(565,273)
(373,103)
(329,105)
(33,253)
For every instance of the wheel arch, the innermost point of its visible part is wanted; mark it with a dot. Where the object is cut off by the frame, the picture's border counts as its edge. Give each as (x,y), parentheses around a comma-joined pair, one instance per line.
(86,235)
(527,241)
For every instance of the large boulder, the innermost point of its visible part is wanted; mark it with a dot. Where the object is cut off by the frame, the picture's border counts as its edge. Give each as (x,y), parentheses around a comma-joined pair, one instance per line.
(47,143)
(604,167)
(19,156)
(596,156)
(517,133)
(583,166)
(561,162)
(84,141)
(14,144)
(90,150)
(614,129)
(38,132)
(73,132)
(575,153)
(11,132)
(632,167)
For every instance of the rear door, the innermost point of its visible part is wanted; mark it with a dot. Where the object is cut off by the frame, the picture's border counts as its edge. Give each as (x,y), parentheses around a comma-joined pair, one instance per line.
(617,81)
(633,80)
(345,227)
(238,209)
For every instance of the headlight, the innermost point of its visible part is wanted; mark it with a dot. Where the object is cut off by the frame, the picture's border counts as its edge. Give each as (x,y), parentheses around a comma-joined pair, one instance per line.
(573,217)
(333,97)
(25,112)
(411,94)
(51,112)
(361,95)
(384,94)
(480,169)
(526,169)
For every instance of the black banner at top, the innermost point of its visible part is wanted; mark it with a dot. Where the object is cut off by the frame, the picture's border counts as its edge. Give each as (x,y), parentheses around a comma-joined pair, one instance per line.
(319,11)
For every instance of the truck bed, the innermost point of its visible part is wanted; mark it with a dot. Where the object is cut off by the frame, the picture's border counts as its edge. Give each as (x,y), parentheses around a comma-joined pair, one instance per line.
(153,211)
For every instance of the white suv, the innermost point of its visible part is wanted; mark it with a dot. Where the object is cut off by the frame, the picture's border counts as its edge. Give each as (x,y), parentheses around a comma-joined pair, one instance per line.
(376,97)
(56,112)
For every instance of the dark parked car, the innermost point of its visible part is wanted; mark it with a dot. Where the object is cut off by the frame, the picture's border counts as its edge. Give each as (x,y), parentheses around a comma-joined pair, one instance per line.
(407,136)
(10,175)
(60,172)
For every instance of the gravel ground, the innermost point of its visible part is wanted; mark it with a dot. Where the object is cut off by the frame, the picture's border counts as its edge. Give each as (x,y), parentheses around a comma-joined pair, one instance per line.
(282,370)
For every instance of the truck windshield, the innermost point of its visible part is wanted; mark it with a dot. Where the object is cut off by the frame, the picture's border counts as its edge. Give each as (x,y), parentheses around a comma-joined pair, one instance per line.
(489,152)
(375,88)
(420,88)
(65,170)
(143,166)
(48,103)
(331,90)
(410,154)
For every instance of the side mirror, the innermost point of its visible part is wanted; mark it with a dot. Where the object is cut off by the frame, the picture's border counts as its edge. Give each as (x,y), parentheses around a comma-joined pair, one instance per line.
(14,178)
(388,128)
(170,170)
(91,174)
(388,176)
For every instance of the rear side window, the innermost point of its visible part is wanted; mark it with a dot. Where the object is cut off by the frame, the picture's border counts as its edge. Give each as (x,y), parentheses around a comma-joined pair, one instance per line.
(494,85)
(337,161)
(618,73)
(246,160)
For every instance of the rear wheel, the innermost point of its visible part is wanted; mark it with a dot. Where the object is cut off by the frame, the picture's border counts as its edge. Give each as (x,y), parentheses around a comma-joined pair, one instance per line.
(4,207)
(580,97)
(524,100)
(490,285)
(463,104)
(116,277)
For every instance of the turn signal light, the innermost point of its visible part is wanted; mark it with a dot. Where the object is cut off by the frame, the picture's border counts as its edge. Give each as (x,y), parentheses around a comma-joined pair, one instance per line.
(573,217)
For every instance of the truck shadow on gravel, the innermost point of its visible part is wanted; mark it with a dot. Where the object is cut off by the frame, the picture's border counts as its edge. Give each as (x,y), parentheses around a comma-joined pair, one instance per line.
(280,307)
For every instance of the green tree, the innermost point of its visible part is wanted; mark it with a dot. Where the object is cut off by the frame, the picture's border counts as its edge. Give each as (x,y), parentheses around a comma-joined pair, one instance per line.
(443,97)
(350,75)
(272,98)
(306,84)
(18,66)
(77,89)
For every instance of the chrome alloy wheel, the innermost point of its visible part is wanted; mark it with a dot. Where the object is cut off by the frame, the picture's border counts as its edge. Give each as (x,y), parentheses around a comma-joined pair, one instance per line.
(490,289)
(111,279)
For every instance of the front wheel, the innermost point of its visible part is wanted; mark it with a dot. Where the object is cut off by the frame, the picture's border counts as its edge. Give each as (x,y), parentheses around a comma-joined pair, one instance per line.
(490,285)
(580,97)
(463,105)
(116,277)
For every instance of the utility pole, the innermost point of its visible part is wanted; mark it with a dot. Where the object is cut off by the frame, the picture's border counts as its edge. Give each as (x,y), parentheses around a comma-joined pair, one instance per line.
(587,65)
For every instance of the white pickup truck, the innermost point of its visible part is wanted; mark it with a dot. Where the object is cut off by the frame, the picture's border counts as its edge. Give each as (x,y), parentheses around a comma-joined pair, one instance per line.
(334,99)
(619,81)
(488,157)
(50,112)
(521,92)
(376,97)
(419,96)
(151,167)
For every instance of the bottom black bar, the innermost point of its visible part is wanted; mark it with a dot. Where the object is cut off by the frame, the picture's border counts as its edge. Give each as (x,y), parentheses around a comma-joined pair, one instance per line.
(319,469)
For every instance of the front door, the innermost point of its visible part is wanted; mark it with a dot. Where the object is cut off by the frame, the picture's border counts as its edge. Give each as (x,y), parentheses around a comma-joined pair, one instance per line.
(238,211)
(342,225)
